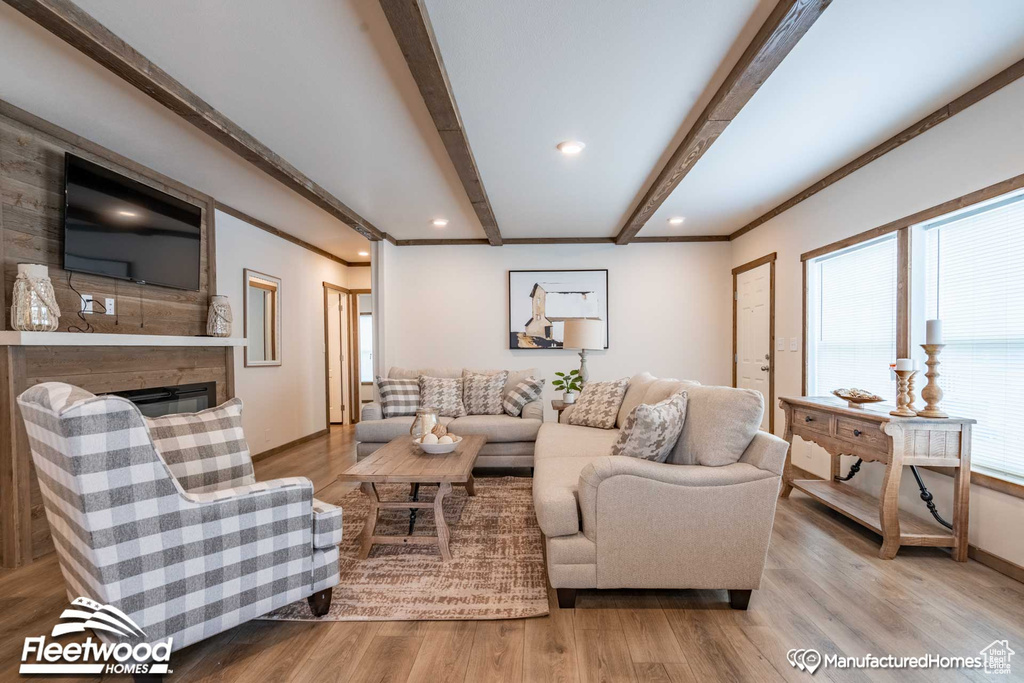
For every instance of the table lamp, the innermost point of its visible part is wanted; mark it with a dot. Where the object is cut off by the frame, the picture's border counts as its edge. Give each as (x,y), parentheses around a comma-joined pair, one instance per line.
(583,334)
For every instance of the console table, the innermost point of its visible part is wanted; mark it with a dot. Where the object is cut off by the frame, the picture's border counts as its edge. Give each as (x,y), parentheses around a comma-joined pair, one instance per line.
(873,435)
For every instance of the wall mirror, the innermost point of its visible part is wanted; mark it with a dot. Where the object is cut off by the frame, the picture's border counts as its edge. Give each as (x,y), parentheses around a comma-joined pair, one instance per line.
(262,319)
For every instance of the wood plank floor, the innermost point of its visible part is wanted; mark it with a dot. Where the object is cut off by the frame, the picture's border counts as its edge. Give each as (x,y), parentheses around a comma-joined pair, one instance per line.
(824,588)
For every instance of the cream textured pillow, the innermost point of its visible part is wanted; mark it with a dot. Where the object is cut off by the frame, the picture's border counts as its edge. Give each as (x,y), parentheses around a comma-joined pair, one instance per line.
(442,394)
(598,404)
(482,392)
(650,432)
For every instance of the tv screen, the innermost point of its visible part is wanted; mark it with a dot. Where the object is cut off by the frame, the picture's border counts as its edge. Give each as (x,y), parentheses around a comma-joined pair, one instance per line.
(120,228)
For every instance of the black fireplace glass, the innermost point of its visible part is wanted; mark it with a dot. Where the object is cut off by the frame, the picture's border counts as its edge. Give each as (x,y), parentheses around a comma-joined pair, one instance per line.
(184,398)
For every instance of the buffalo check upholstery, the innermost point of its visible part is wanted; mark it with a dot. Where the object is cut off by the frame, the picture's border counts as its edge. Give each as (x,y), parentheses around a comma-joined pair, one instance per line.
(183,561)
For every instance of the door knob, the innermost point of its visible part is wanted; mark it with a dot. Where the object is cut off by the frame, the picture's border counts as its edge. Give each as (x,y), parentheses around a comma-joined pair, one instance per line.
(764,368)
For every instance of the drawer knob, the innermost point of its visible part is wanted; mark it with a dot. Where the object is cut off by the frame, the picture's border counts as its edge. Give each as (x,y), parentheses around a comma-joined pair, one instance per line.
(856,432)
(808,419)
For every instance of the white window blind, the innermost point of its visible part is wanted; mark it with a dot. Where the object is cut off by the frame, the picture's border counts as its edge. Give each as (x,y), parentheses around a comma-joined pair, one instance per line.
(974,282)
(852,310)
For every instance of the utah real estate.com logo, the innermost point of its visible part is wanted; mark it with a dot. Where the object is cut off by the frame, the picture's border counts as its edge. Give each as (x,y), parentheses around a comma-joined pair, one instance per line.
(93,656)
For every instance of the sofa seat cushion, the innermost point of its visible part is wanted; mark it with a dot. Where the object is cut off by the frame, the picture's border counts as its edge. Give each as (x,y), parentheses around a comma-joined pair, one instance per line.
(497,428)
(382,431)
(557,440)
(326,525)
(555,481)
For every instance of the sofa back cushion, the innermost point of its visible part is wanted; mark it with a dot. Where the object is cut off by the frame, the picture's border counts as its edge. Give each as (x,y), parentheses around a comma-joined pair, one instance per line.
(634,396)
(407,373)
(720,424)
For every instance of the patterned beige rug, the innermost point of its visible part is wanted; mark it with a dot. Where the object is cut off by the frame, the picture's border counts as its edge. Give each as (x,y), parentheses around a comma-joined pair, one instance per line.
(496,571)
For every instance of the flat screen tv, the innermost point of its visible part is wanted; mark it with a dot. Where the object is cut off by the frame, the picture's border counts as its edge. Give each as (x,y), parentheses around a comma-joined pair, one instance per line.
(120,228)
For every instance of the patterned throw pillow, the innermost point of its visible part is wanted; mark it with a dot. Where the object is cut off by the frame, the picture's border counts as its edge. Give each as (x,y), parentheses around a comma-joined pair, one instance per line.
(598,404)
(399,397)
(522,393)
(651,431)
(443,394)
(482,393)
(205,451)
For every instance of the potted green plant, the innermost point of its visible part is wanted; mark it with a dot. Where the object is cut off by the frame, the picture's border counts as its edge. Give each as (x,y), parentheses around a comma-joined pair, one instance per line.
(570,383)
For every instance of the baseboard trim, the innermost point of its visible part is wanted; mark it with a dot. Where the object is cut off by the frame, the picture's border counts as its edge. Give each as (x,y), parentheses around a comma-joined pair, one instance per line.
(285,446)
(994,562)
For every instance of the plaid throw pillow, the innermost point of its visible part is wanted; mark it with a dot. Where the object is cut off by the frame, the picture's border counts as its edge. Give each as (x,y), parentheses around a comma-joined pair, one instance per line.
(522,393)
(482,393)
(443,394)
(598,404)
(205,451)
(399,397)
(651,431)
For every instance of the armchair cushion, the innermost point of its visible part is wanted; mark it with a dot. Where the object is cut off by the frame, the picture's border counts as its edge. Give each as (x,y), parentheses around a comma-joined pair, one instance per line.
(204,451)
(326,525)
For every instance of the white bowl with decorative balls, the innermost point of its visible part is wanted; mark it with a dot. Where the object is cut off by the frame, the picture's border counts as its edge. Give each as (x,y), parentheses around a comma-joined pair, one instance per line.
(432,444)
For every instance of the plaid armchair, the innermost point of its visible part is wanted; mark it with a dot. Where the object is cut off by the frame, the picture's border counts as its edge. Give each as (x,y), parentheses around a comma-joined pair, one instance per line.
(163,518)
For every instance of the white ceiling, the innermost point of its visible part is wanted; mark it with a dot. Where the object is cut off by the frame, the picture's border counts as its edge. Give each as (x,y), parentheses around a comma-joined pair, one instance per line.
(620,76)
(323,83)
(866,70)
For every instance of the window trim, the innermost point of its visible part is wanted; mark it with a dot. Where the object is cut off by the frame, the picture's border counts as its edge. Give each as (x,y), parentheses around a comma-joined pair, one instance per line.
(904,265)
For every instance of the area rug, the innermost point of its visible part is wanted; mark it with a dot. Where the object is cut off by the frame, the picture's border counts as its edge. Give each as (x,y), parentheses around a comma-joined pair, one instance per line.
(496,570)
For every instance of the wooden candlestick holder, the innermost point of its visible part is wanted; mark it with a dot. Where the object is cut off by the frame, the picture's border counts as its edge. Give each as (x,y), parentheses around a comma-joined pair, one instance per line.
(904,398)
(931,393)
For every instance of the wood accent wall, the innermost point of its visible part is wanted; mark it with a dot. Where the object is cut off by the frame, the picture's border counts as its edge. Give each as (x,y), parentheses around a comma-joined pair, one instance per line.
(31,231)
(24,531)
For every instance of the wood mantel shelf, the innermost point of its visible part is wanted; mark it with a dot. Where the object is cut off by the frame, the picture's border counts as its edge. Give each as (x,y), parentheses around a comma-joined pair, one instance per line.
(15,338)
(873,435)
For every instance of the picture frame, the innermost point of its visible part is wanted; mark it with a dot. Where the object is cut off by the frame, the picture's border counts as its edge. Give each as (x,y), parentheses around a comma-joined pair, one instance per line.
(539,302)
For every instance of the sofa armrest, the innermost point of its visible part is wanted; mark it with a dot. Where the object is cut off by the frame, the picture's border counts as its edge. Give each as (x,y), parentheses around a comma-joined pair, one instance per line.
(372,411)
(564,416)
(766,452)
(608,467)
(534,410)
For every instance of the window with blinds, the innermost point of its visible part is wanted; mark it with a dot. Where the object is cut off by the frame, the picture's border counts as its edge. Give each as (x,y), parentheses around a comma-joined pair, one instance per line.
(852,319)
(974,282)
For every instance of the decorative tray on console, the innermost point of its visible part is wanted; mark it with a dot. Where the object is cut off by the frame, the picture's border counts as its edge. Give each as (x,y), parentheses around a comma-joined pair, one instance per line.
(857,398)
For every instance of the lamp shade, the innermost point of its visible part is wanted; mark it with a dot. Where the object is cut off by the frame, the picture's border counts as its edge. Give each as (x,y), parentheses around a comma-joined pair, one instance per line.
(583,334)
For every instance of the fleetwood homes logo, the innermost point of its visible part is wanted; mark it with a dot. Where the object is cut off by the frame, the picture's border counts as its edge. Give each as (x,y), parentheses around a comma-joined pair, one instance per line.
(95,657)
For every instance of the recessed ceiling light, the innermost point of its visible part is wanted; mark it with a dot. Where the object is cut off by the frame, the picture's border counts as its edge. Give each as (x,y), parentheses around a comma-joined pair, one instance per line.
(364,253)
(676,220)
(571,147)
(439,222)
(129,214)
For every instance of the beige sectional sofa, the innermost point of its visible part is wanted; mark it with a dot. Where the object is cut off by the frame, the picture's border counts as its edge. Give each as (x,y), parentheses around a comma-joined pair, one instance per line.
(621,522)
(510,440)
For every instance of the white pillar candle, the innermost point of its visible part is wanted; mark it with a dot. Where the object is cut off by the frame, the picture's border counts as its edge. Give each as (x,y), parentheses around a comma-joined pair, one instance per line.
(933,333)
(904,364)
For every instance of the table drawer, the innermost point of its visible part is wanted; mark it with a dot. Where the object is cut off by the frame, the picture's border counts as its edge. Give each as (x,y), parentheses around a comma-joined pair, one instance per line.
(813,420)
(861,431)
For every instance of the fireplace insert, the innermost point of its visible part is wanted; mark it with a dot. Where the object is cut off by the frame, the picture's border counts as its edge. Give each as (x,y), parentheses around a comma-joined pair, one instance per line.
(184,398)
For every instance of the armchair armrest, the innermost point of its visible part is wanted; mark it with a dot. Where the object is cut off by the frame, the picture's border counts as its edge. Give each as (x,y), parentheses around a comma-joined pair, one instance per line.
(534,410)
(372,411)
(608,467)
(766,452)
(260,487)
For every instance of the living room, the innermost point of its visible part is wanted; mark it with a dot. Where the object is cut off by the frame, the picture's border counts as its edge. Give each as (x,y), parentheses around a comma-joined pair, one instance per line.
(530,342)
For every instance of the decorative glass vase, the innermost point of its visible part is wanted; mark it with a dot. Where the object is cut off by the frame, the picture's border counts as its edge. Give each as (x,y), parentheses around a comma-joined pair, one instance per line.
(218,321)
(34,306)
(425,421)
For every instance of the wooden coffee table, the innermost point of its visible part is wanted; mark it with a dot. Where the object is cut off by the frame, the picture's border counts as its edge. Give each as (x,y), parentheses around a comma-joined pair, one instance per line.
(401,461)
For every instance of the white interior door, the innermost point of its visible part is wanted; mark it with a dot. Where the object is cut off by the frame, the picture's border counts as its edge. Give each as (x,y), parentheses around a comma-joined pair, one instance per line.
(753,333)
(337,328)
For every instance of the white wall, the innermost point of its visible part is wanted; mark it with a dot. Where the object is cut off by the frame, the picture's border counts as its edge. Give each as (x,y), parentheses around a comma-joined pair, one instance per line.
(669,309)
(286,402)
(979,147)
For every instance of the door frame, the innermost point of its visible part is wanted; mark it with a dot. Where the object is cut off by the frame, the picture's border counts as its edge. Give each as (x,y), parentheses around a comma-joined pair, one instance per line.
(352,389)
(750,265)
(353,338)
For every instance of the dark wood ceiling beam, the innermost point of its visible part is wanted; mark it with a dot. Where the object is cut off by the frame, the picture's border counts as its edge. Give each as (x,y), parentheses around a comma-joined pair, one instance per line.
(997,82)
(411,26)
(512,241)
(70,23)
(786,25)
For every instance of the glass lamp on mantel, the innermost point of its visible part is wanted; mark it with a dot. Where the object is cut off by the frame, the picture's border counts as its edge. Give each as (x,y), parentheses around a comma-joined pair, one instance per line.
(583,334)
